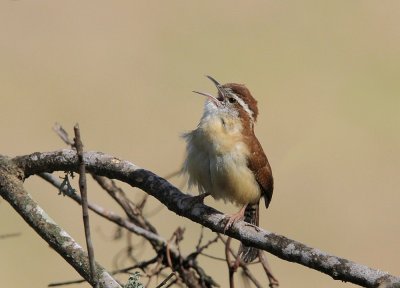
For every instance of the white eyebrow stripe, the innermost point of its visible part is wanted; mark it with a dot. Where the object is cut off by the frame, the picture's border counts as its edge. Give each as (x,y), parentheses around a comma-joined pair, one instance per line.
(243,104)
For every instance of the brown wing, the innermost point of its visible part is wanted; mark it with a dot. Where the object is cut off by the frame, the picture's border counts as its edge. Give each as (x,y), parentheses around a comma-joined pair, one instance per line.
(258,163)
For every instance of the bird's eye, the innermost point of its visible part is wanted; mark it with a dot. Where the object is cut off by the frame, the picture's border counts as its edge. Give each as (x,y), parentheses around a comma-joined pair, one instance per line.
(232,100)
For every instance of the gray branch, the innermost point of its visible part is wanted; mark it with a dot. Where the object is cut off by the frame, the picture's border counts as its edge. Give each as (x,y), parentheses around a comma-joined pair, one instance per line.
(282,247)
(155,240)
(11,190)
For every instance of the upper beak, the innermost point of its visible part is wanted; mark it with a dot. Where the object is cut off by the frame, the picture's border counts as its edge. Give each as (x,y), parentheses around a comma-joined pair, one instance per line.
(219,86)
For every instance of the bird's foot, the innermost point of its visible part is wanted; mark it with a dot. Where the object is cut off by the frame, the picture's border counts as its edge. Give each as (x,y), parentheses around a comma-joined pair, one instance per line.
(234,218)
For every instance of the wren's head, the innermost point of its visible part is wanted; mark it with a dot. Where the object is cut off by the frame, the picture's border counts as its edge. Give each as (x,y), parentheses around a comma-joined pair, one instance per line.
(233,100)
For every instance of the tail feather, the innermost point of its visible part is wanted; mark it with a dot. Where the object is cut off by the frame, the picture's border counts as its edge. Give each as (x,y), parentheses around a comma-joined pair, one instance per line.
(251,215)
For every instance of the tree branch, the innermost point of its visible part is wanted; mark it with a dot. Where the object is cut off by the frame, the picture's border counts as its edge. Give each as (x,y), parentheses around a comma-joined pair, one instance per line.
(12,191)
(282,247)
(84,203)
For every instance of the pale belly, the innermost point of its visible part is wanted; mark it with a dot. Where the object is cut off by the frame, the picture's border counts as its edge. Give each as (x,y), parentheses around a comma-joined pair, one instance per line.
(233,181)
(222,171)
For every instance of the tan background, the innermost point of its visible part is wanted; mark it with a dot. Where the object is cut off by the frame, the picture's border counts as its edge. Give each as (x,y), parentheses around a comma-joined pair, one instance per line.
(326,76)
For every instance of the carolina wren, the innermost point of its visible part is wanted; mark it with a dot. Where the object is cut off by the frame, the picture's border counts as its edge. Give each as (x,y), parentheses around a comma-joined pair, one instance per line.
(225,159)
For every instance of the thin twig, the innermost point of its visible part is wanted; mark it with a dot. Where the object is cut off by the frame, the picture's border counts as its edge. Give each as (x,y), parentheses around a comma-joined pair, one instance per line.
(143,201)
(132,210)
(165,280)
(63,134)
(206,245)
(273,282)
(212,257)
(155,271)
(85,214)
(175,281)
(200,238)
(232,266)
(177,236)
(225,243)
(200,249)
(140,265)
(64,283)
(239,262)
(228,262)
(250,276)
(4,236)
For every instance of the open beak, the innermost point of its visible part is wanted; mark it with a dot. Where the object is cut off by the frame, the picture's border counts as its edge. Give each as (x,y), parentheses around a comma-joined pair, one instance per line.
(215,100)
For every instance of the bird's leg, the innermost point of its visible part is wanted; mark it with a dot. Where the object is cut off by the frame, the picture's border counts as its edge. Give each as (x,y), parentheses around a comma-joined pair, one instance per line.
(235,217)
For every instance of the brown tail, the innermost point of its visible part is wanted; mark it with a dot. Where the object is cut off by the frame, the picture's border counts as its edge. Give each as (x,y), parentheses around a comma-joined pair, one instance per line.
(250,216)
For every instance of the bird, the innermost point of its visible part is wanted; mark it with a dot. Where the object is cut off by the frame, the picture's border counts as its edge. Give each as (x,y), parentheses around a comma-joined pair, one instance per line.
(224,158)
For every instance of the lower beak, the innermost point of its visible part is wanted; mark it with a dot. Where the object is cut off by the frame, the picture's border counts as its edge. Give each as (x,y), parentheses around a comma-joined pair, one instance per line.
(209,96)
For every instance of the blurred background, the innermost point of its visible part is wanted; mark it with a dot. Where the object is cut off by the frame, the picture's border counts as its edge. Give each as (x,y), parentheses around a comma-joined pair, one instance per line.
(325,75)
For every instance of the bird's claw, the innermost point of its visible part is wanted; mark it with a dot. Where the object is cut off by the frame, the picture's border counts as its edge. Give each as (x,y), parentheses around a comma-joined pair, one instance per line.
(232,219)
(253,226)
